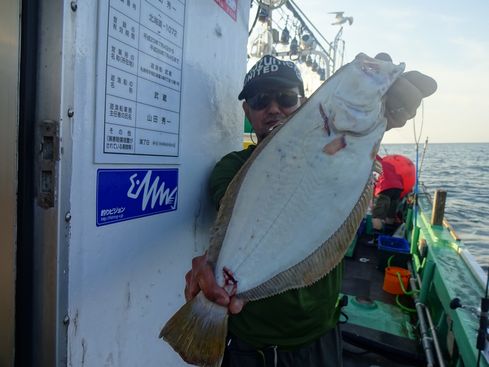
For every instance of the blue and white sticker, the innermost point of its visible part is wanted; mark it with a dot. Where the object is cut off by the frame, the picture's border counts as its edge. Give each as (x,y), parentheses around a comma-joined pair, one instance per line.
(124,194)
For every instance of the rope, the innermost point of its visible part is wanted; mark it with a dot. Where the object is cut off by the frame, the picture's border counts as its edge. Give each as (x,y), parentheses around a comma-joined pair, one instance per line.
(389,260)
(409,293)
(402,307)
(418,138)
(422,157)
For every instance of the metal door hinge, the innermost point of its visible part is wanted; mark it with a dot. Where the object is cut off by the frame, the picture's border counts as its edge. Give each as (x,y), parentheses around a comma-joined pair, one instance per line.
(49,153)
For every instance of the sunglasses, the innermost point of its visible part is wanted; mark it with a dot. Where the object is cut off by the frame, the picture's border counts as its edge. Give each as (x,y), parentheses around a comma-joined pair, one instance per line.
(285,99)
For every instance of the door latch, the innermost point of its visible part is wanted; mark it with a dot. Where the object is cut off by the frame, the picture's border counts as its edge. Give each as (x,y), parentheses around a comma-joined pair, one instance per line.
(47,157)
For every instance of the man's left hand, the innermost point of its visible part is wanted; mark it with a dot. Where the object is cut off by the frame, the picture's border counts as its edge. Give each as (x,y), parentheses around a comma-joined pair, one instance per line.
(405,95)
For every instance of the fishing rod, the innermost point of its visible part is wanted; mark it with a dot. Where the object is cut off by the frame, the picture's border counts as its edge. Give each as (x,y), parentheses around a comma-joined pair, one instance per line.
(416,185)
(483,323)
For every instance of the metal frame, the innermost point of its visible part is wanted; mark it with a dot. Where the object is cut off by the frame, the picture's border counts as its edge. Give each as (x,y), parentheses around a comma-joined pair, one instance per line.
(25,197)
(9,102)
(52,224)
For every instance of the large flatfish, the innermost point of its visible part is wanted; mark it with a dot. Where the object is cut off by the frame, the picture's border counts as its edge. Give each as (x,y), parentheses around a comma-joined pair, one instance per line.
(291,212)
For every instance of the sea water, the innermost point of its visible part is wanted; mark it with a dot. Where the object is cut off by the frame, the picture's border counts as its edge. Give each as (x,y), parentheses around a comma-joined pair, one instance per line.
(461,169)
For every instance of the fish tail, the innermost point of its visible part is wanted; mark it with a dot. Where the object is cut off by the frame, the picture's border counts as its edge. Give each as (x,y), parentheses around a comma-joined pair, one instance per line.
(197,331)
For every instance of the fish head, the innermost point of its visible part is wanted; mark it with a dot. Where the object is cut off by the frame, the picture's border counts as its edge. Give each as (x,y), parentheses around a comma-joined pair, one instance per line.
(356,106)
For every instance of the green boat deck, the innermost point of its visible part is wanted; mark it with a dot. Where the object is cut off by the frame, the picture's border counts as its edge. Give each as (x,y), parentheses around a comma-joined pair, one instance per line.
(374,325)
(382,330)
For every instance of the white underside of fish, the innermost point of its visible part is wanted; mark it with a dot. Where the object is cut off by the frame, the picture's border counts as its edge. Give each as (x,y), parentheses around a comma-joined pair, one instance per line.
(295,195)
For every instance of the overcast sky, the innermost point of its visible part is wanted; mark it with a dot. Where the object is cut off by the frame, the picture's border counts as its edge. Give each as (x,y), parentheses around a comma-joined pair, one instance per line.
(448,40)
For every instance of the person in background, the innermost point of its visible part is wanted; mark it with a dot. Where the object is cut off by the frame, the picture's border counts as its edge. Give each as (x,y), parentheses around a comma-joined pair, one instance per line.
(297,327)
(387,194)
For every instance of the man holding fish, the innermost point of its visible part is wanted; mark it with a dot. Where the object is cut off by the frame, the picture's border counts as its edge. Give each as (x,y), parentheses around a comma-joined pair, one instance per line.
(296,326)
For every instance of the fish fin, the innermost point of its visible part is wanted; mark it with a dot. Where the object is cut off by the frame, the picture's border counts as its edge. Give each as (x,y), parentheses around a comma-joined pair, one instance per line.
(377,167)
(197,331)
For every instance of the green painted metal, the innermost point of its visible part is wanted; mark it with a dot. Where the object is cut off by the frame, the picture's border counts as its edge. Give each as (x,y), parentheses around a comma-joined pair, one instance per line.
(441,320)
(351,248)
(414,240)
(380,316)
(450,278)
(416,262)
(428,271)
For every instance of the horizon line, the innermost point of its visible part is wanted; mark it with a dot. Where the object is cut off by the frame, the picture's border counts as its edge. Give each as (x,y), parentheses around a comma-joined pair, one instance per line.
(440,142)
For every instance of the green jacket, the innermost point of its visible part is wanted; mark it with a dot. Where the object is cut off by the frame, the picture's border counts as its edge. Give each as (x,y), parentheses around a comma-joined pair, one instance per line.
(290,319)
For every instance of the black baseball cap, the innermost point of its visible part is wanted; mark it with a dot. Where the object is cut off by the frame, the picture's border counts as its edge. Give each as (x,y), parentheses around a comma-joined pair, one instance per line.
(271,72)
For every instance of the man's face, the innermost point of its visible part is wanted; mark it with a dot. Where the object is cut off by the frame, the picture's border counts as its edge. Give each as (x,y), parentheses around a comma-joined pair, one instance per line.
(269,108)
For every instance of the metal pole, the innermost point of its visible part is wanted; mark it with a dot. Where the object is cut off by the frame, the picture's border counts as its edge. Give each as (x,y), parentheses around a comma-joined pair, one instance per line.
(426,280)
(425,339)
(423,284)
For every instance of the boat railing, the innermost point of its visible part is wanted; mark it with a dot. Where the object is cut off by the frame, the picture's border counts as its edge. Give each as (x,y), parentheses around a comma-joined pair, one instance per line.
(455,273)
(464,253)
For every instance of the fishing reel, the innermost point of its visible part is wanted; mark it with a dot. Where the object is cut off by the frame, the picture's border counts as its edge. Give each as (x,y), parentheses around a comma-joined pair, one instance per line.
(482,332)
(457,303)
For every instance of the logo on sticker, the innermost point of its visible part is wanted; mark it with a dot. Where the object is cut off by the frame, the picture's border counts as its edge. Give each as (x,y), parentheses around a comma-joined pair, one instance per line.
(128,194)
(152,190)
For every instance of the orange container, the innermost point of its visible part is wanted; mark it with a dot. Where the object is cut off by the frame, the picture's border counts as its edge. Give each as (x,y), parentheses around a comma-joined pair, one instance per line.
(391,281)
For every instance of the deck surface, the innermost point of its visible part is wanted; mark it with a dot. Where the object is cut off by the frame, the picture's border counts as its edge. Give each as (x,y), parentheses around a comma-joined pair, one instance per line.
(363,346)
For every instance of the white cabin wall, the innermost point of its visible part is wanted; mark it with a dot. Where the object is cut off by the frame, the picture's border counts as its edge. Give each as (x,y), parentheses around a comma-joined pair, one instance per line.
(126,279)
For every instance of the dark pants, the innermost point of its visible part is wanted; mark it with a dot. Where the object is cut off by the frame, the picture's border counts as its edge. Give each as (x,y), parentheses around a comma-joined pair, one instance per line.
(386,203)
(326,351)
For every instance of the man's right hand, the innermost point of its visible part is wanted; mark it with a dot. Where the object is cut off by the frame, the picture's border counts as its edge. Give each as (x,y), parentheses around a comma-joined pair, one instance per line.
(201,278)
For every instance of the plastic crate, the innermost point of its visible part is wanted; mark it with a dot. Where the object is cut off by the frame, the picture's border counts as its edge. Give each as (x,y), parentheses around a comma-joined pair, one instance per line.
(393,246)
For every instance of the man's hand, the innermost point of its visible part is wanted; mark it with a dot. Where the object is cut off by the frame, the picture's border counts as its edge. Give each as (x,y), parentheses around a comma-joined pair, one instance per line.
(201,278)
(404,96)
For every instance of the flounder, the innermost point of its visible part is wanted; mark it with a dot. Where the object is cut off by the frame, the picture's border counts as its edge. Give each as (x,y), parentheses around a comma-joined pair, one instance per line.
(289,215)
